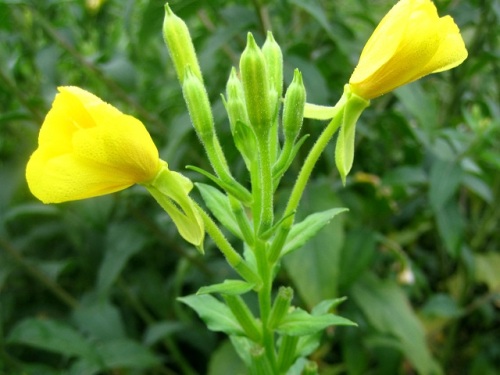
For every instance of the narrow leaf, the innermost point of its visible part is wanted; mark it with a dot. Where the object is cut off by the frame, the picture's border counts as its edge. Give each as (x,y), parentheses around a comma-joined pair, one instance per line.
(214,313)
(230,287)
(52,336)
(300,323)
(125,353)
(219,205)
(306,229)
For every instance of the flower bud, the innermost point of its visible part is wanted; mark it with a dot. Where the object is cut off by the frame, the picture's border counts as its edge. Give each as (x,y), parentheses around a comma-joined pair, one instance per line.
(179,45)
(256,87)
(274,63)
(235,103)
(281,306)
(293,110)
(198,104)
(243,134)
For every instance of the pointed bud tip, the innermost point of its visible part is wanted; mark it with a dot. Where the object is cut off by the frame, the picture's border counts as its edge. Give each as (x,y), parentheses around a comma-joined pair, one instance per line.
(251,40)
(168,11)
(297,76)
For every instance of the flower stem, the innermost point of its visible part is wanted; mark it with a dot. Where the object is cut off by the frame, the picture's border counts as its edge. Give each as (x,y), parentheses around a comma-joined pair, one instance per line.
(303,178)
(266,214)
(233,258)
(264,294)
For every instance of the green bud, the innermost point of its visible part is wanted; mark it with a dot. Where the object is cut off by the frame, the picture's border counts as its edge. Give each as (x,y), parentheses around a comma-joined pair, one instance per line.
(179,45)
(344,150)
(293,111)
(198,104)
(274,63)
(256,87)
(243,134)
(235,104)
(280,306)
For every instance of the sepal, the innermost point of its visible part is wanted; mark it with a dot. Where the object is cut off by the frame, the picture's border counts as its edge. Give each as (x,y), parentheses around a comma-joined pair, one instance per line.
(171,189)
(344,150)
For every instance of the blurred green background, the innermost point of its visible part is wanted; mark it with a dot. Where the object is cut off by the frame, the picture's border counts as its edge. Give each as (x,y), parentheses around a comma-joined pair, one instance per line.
(90,287)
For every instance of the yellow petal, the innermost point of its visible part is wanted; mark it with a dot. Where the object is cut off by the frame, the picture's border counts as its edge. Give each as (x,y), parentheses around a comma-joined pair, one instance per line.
(124,144)
(410,42)
(451,51)
(88,148)
(66,178)
(387,34)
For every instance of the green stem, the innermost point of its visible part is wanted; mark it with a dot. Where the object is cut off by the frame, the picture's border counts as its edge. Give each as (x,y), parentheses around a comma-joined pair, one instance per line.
(233,258)
(266,215)
(303,178)
(220,166)
(264,294)
(256,192)
(242,220)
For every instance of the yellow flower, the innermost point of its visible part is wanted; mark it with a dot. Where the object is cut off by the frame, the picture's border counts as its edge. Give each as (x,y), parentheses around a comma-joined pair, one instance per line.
(88,148)
(410,42)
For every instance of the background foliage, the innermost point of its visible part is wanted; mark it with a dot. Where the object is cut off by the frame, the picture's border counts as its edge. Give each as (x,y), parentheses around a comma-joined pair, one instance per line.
(90,287)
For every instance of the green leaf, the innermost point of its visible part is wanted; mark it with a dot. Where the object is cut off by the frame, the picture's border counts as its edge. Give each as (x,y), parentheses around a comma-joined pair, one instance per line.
(157,331)
(387,309)
(441,305)
(419,104)
(214,313)
(315,269)
(225,360)
(231,287)
(306,229)
(301,323)
(487,268)
(100,319)
(451,227)
(122,242)
(308,344)
(318,12)
(479,187)
(219,205)
(242,346)
(357,255)
(324,306)
(52,336)
(445,177)
(125,353)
